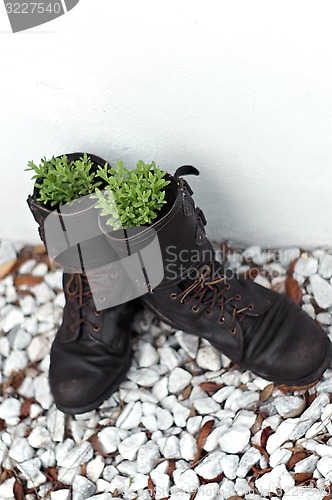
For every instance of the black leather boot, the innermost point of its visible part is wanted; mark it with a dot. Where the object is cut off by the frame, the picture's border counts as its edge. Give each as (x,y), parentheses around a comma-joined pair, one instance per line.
(257,328)
(91,352)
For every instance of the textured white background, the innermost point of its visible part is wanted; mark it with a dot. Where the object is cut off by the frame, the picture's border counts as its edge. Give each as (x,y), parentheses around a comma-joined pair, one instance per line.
(241,89)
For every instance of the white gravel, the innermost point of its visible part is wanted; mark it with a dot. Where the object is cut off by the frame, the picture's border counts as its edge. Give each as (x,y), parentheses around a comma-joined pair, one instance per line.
(150,439)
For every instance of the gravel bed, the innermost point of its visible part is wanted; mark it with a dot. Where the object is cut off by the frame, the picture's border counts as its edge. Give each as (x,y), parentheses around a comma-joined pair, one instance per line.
(187,423)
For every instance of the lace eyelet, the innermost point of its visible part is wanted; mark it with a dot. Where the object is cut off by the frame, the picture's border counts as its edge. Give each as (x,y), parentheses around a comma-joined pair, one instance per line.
(195,309)
(97,313)
(208,312)
(238,297)
(221,320)
(173,296)
(96,328)
(250,307)
(228,286)
(233,331)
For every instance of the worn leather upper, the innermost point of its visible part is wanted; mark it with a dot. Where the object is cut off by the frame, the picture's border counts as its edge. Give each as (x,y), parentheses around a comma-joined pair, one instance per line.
(257,328)
(91,352)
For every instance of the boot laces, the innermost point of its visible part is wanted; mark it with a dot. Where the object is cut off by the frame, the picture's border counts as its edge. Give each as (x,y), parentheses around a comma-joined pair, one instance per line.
(78,290)
(209,293)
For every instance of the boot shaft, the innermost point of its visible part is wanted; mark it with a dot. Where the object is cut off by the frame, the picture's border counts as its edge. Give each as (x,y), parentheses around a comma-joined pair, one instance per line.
(180,233)
(62,228)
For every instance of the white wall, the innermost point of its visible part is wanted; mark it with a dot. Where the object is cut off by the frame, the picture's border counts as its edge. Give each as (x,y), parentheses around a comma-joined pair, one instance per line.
(240,89)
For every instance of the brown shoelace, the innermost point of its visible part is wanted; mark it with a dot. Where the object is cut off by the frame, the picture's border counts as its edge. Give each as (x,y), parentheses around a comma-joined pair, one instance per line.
(199,289)
(78,288)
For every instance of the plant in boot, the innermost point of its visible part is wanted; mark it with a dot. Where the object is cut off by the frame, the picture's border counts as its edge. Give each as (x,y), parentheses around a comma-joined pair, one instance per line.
(131,197)
(60,180)
(258,328)
(91,352)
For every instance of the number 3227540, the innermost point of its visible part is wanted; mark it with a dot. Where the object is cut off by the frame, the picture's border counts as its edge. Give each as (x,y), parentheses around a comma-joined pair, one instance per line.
(33,8)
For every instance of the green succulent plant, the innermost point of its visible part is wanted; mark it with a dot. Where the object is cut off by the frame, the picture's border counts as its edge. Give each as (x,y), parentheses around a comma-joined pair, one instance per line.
(60,181)
(131,197)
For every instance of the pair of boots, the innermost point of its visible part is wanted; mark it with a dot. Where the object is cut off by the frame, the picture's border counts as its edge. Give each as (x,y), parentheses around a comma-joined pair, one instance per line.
(257,328)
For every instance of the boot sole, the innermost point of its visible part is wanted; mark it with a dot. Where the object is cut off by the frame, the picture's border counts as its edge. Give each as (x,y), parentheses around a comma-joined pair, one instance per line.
(95,404)
(285,386)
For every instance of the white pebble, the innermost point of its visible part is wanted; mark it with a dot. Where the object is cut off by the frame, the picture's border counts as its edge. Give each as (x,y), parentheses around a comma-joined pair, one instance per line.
(226,489)
(164,419)
(10,410)
(309,309)
(109,439)
(42,293)
(248,459)
(22,339)
(262,281)
(27,266)
(189,343)
(38,348)
(323,450)
(82,488)
(322,291)
(56,424)
(4,347)
(235,439)
(77,455)
(40,269)
(307,464)
(17,360)
(20,450)
(186,480)
(43,393)
(7,489)
(206,405)
(39,437)
(288,404)
(324,466)
(270,482)
(212,440)
(13,317)
(325,266)
(169,357)
(280,456)
(161,480)
(324,318)
(145,377)
(147,355)
(129,447)
(54,279)
(306,266)
(188,446)
(282,434)
(147,456)
(131,416)
(60,495)
(171,448)
(210,467)
(208,358)
(178,380)
(95,468)
(229,464)
(223,393)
